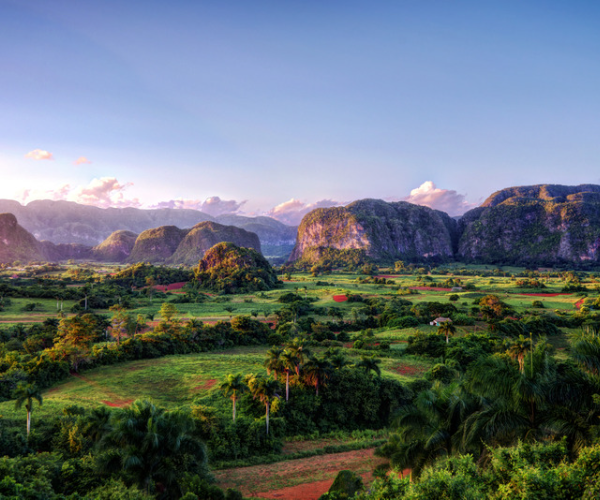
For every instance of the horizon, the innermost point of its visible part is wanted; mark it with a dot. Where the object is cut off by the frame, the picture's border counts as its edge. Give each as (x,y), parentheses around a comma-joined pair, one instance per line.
(273,110)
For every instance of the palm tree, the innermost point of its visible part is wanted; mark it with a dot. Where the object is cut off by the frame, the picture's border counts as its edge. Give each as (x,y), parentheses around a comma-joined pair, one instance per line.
(288,360)
(27,393)
(336,358)
(429,428)
(273,363)
(151,446)
(266,390)
(300,351)
(369,365)
(233,387)
(518,349)
(586,353)
(447,328)
(317,371)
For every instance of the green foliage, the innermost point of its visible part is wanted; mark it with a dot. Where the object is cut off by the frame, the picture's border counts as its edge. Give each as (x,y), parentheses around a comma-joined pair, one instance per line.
(227,268)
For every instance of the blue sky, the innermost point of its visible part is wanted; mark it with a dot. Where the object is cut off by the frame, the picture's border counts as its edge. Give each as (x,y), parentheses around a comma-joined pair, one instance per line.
(173,103)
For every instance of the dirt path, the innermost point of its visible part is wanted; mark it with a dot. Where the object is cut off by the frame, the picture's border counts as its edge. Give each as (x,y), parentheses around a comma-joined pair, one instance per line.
(304,479)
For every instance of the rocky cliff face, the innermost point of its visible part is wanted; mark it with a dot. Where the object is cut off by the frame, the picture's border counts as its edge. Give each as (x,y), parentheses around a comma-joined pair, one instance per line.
(205,235)
(116,248)
(16,243)
(541,224)
(385,231)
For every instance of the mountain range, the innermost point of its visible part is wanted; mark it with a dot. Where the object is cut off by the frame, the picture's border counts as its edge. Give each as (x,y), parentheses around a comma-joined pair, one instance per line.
(543,224)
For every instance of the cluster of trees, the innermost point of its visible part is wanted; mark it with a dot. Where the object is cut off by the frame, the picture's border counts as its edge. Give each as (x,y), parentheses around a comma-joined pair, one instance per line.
(133,453)
(509,392)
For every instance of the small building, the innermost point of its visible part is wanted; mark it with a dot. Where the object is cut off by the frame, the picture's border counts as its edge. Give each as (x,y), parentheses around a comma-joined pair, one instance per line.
(439,321)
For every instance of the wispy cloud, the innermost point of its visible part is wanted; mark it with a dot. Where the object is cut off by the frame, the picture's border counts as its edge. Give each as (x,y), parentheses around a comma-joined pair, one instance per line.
(39,154)
(82,160)
(292,211)
(213,206)
(446,200)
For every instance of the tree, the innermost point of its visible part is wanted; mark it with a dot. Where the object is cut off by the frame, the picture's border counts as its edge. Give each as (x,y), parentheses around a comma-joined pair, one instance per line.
(119,322)
(27,394)
(317,371)
(74,337)
(152,447)
(370,364)
(233,387)
(518,349)
(447,329)
(274,363)
(288,361)
(168,311)
(266,390)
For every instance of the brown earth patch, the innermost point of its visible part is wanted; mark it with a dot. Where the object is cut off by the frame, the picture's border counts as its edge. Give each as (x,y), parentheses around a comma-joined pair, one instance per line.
(408,370)
(205,386)
(304,479)
(119,403)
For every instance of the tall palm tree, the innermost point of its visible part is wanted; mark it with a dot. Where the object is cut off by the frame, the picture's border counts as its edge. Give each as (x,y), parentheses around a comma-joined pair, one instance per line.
(27,394)
(233,387)
(150,445)
(274,363)
(447,329)
(429,428)
(288,360)
(518,349)
(369,364)
(317,371)
(264,389)
(301,353)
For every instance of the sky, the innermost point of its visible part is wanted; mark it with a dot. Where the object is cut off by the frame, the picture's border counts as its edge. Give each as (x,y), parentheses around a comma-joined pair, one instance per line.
(278,107)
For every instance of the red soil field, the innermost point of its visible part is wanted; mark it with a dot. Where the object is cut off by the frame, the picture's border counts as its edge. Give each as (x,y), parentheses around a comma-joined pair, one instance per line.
(340,298)
(171,287)
(308,478)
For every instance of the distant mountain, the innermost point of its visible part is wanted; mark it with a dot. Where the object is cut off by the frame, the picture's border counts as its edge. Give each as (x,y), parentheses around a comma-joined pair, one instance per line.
(116,248)
(542,224)
(207,234)
(385,231)
(16,243)
(69,222)
(171,245)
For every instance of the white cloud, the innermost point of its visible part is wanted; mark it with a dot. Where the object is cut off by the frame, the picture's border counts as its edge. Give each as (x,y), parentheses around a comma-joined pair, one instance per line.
(39,154)
(213,206)
(82,160)
(104,192)
(61,193)
(446,200)
(292,211)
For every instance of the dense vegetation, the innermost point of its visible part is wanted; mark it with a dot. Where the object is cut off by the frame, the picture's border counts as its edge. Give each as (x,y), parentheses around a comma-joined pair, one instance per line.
(491,409)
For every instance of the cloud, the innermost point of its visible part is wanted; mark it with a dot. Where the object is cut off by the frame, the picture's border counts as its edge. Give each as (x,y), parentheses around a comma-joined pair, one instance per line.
(104,192)
(213,206)
(39,154)
(82,160)
(447,200)
(291,211)
(61,193)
